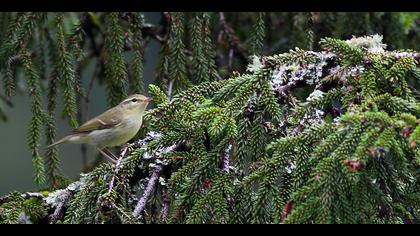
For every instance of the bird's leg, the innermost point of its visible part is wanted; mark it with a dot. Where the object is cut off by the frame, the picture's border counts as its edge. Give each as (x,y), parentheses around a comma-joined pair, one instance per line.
(112,154)
(124,148)
(106,155)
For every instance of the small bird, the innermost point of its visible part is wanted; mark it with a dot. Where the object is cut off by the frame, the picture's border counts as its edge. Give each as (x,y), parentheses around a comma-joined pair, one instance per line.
(112,128)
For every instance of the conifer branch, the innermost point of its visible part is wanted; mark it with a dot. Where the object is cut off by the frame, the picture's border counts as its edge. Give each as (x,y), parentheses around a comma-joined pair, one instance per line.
(177,58)
(37,115)
(137,63)
(65,72)
(258,34)
(115,66)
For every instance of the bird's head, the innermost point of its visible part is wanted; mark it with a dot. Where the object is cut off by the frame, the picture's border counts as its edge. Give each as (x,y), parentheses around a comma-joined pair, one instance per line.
(135,103)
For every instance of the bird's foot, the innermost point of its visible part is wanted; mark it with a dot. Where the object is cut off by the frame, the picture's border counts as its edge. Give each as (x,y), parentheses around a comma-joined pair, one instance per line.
(114,161)
(111,153)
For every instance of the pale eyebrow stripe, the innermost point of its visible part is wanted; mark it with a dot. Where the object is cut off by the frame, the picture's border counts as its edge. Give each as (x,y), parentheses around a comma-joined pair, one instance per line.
(129,100)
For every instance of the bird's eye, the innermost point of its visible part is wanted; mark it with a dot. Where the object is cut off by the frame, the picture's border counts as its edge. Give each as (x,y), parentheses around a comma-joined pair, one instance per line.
(134,100)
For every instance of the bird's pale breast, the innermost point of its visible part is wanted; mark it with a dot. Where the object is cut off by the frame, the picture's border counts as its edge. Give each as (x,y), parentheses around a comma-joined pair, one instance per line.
(115,136)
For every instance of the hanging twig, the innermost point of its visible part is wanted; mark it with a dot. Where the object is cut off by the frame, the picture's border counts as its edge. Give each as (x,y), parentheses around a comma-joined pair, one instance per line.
(117,168)
(232,39)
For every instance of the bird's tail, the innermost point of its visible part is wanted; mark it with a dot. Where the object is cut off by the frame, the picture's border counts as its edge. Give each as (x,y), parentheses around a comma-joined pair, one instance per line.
(63,140)
(72,138)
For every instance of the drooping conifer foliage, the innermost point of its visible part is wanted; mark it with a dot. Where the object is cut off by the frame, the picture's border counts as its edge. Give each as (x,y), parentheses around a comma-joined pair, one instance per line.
(325,133)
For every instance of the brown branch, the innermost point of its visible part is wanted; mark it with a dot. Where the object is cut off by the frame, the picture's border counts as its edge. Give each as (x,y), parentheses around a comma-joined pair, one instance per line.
(232,38)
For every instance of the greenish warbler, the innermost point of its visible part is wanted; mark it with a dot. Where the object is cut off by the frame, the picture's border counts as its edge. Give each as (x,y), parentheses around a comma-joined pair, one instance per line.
(112,128)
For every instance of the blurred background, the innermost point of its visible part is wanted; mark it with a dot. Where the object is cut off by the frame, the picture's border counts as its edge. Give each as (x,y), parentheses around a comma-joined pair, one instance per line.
(230,33)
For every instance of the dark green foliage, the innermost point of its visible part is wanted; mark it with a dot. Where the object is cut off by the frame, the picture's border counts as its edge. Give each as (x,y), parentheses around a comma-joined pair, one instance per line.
(199,59)
(310,34)
(232,163)
(8,80)
(208,46)
(349,54)
(37,115)
(15,35)
(22,209)
(324,136)
(177,70)
(162,69)
(258,34)
(52,161)
(115,68)
(137,84)
(10,211)
(64,70)
(203,55)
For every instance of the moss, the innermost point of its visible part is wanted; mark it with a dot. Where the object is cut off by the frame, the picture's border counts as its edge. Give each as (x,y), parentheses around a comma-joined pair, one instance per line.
(34,209)
(45,193)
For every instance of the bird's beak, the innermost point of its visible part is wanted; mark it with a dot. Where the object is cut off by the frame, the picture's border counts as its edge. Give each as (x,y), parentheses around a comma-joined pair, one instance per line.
(149,99)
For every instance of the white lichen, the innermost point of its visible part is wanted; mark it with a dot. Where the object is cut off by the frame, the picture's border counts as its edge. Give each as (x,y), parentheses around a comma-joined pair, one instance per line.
(316,94)
(60,196)
(162,181)
(371,43)
(255,65)
(355,70)
(310,73)
(290,167)
(406,54)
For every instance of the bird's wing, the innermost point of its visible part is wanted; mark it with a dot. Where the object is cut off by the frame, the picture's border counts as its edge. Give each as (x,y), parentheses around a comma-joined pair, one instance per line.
(106,120)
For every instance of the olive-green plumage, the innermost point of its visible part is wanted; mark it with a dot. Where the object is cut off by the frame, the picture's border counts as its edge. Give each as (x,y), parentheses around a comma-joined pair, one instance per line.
(112,128)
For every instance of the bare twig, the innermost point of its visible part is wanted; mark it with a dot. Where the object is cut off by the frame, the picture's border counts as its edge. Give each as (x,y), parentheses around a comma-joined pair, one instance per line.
(232,38)
(226,155)
(148,30)
(117,168)
(170,87)
(165,208)
(230,59)
(141,205)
